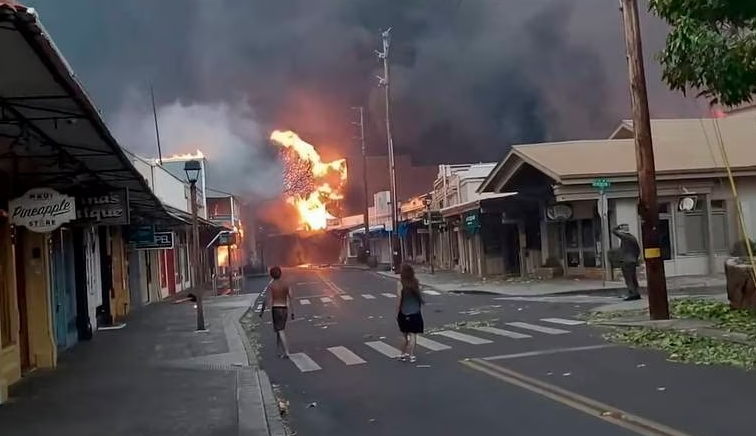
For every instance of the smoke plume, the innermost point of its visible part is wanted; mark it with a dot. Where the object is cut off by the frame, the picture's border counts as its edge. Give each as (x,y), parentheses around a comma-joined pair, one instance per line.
(469,77)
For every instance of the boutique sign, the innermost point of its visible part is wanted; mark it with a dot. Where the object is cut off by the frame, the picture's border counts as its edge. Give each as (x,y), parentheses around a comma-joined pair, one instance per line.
(42,210)
(105,209)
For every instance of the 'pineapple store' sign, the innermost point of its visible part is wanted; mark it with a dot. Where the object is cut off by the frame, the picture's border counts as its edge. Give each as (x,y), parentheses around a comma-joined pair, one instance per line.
(42,210)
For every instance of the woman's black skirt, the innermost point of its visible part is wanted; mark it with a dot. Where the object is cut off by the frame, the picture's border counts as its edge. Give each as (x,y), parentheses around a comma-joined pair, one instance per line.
(412,323)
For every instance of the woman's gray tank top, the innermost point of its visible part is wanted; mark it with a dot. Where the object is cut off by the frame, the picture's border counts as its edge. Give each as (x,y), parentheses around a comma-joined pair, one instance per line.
(410,303)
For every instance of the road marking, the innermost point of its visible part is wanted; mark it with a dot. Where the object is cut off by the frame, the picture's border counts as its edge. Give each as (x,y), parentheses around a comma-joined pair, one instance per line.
(384,348)
(576,401)
(431,344)
(330,284)
(347,297)
(325,299)
(304,301)
(563,321)
(304,363)
(463,337)
(346,355)
(502,332)
(549,351)
(368,297)
(431,292)
(388,295)
(538,328)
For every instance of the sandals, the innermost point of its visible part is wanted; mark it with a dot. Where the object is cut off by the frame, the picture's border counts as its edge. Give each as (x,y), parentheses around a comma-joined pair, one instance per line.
(406,357)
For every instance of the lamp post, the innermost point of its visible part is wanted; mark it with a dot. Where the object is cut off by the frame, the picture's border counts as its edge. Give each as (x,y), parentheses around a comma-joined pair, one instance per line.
(192,169)
(430,234)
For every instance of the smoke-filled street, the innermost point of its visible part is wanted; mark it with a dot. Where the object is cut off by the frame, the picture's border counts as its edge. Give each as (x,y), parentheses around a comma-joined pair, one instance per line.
(487,364)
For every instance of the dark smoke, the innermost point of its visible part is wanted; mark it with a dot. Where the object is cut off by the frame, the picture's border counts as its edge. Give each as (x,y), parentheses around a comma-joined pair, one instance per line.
(469,77)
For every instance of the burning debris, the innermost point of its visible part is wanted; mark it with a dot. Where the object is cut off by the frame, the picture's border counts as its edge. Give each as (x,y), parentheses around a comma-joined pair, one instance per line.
(310,184)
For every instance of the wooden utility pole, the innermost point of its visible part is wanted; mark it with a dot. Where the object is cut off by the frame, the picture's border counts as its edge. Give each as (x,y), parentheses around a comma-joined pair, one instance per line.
(648,207)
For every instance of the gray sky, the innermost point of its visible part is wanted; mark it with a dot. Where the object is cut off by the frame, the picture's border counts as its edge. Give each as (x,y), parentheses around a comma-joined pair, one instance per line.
(470,77)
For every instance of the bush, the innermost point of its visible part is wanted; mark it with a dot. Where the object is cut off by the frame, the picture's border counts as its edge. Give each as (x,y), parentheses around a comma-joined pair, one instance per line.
(740,249)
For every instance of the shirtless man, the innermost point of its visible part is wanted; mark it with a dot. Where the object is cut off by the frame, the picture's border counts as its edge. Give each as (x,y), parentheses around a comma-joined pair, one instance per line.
(279,301)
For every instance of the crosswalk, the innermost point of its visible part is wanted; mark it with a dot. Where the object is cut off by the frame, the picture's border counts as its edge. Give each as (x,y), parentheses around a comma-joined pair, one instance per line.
(437,341)
(308,301)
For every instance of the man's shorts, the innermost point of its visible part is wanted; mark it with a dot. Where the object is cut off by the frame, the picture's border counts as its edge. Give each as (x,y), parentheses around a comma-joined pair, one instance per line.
(279,317)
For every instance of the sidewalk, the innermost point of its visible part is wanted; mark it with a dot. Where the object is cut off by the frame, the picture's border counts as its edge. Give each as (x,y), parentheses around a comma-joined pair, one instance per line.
(450,281)
(156,376)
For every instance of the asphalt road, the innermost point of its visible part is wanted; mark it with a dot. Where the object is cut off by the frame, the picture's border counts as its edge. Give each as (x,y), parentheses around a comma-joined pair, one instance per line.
(489,364)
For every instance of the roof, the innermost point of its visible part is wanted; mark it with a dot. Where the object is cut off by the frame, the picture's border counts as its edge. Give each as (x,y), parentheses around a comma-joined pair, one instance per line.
(467,206)
(681,146)
(50,125)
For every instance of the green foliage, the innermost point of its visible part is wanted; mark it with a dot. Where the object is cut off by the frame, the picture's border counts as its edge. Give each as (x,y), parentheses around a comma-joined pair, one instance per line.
(685,347)
(740,321)
(710,48)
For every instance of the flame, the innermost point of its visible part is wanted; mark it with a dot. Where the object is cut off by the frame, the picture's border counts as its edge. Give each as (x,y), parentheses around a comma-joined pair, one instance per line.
(312,200)
(184,157)
(222,256)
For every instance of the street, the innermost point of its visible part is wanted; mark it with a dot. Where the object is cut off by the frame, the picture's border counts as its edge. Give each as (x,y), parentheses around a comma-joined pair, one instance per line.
(481,367)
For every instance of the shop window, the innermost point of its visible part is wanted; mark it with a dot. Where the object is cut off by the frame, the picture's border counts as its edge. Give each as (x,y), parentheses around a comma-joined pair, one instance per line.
(696,230)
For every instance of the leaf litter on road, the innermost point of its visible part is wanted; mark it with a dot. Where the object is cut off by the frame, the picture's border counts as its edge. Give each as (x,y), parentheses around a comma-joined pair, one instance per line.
(464,325)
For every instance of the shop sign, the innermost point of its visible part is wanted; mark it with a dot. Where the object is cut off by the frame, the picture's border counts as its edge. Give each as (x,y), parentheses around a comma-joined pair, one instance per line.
(107,209)
(559,212)
(162,241)
(472,223)
(142,234)
(42,210)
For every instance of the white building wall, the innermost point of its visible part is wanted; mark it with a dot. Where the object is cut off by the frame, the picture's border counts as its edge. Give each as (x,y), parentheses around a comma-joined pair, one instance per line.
(94,275)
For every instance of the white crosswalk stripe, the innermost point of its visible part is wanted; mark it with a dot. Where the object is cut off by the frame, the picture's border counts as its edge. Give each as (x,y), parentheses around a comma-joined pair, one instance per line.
(470,339)
(368,297)
(502,332)
(431,292)
(387,295)
(304,301)
(384,348)
(325,299)
(346,297)
(563,321)
(537,328)
(304,363)
(346,355)
(431,344)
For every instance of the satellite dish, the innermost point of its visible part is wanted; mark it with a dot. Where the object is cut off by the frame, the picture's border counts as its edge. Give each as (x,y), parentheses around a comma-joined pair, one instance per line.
(686,204)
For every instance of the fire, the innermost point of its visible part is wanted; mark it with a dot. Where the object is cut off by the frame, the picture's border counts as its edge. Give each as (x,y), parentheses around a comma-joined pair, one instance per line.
(184,157)
(222,256)
(311,184)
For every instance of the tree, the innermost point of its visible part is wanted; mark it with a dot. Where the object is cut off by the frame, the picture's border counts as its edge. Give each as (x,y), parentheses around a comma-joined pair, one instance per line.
(711,48)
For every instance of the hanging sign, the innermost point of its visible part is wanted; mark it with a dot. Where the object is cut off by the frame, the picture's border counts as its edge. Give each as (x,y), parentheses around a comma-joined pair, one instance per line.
(559,212)
(42,210)
(104,209)
(162,241)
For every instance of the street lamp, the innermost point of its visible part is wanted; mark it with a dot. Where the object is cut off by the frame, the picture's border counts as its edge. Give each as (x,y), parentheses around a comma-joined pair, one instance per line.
(430,233)
(192,169)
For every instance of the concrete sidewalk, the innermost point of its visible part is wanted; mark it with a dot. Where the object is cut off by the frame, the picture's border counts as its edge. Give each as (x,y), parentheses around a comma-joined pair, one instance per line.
(449,281)
(156,376)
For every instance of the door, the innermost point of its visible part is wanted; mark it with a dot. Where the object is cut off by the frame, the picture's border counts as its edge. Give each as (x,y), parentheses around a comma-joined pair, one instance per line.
(580,246)
(69,289)
(57,287)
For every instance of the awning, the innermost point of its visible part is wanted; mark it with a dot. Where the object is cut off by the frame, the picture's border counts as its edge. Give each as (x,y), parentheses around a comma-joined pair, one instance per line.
(51,134)
(459,209)
(373,229)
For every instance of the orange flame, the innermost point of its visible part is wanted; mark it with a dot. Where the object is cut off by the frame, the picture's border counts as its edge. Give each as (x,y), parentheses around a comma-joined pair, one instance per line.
(312,206)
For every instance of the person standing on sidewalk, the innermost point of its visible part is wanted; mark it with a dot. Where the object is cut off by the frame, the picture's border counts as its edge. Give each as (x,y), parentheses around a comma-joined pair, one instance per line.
(630,250)
(409,315)
(279,299)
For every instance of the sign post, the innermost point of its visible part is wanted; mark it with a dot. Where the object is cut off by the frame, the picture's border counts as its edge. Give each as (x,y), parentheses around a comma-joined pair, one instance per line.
(603,207)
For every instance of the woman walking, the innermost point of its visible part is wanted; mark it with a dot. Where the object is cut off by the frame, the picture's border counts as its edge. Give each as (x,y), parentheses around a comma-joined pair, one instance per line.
(409,314)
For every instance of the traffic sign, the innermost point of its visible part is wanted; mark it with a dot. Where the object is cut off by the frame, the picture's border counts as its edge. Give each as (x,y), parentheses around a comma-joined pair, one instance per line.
(601,184)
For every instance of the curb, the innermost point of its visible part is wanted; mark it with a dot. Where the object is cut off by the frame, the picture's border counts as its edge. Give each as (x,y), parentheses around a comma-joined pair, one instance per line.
(266,403)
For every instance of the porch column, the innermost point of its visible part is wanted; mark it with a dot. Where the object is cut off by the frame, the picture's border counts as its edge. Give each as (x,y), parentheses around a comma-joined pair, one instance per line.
(709,237)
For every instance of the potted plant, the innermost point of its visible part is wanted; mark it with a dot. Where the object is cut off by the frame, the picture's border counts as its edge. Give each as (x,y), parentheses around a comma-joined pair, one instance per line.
(741,290)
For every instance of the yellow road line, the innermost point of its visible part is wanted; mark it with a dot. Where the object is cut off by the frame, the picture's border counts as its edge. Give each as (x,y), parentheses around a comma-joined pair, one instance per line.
(576,401)
(330,284)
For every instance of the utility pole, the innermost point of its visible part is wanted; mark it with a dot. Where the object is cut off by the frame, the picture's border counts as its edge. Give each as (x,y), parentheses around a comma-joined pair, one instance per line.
(157,129)
(384,82)
(366,205)
(648,208)
(428,202)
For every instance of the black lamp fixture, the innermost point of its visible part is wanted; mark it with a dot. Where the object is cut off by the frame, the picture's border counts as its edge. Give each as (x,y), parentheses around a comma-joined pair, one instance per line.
(192,169)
